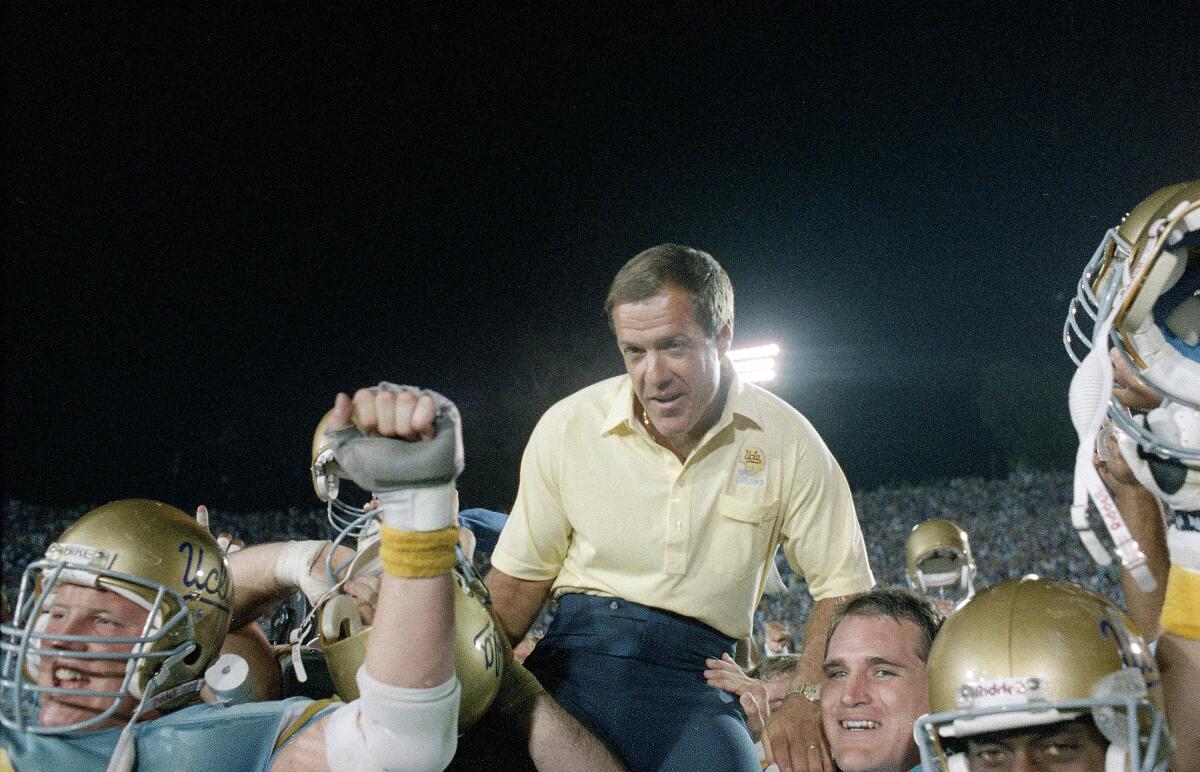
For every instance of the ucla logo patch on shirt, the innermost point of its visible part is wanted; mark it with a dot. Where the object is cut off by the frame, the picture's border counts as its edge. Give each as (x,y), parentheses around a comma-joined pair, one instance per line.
(752,463)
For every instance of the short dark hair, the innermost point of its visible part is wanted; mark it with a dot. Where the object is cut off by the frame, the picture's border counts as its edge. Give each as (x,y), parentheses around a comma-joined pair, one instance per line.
(898,603)
(773,667)
(696,273)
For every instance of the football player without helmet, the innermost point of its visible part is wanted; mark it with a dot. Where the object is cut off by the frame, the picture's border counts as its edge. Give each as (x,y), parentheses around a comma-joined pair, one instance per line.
(1044,670)
(939,565)
(1138,295)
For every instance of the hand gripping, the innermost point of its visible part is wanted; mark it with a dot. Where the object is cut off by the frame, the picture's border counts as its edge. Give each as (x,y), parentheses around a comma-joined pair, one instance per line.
(413,479)
(381,464)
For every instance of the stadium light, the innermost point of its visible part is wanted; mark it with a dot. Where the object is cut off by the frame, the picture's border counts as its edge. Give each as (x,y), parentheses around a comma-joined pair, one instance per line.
(755,363)
(752,352)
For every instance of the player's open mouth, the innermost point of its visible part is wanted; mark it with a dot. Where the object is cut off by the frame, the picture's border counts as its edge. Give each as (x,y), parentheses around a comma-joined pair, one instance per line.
(859,726)
(68,678)
(667,401)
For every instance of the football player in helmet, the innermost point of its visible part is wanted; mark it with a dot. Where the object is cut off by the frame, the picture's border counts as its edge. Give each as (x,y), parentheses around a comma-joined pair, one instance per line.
(115,628)
(939,565)
(1136,400)
(1034,674)
(1138,296)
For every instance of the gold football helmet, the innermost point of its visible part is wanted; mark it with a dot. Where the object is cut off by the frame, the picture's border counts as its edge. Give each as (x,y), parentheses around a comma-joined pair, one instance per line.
(479,654)
(1145,279)
(1029,652)
(1138,294)
(1142,249)
(149,553)
(939,563)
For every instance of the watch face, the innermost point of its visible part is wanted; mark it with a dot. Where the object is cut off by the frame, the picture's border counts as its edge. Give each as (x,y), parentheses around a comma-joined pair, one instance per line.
(811,692)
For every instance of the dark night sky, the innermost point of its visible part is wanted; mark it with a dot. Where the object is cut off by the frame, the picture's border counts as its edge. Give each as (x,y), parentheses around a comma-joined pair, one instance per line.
(217,218)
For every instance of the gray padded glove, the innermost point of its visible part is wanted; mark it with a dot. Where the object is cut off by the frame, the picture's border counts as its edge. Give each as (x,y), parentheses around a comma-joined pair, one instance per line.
(382,464)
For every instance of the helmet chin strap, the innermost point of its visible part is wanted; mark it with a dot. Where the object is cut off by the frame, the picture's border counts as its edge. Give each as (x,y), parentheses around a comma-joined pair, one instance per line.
(1091,390)
(124,754)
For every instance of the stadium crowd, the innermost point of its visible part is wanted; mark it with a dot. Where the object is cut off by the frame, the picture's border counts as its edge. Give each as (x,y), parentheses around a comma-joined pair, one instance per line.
(1018,525)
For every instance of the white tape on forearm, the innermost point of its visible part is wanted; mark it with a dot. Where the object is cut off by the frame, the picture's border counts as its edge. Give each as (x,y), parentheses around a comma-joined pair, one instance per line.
(395,728)
(419,509)
(293,568)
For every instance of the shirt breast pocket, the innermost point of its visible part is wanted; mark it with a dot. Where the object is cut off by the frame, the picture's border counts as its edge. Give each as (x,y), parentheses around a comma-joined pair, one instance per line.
(740,535)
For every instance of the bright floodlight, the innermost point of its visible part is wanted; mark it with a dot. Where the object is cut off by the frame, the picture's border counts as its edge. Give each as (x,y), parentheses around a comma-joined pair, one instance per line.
(753,352)
(756,363)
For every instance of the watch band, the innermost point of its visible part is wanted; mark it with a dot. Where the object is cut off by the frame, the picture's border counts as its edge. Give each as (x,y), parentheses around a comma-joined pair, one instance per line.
(810,692)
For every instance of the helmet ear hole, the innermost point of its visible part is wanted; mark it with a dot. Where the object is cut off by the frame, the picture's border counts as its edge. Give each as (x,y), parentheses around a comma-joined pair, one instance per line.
(193,656)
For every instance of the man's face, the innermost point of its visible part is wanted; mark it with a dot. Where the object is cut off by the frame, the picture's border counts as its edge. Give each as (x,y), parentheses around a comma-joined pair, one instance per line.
(1069,746)
(77,610)
(675,367)
(874,689)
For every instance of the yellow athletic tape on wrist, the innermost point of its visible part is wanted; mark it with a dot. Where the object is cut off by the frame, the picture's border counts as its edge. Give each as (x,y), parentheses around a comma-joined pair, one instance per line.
(417,554)
(1181,607)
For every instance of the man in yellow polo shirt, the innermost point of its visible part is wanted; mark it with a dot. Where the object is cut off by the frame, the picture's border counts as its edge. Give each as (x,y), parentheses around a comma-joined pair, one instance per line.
(651,505)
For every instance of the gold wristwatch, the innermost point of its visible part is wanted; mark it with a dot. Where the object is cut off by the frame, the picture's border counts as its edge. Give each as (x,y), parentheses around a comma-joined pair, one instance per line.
(810,692)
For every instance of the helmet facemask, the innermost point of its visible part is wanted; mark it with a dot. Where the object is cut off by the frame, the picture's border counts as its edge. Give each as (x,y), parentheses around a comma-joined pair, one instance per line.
(149,554)
(166,636)
(346,520)
(939,565)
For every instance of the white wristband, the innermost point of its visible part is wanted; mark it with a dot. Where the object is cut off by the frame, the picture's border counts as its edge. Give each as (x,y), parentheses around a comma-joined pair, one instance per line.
(419,509)
(293,568)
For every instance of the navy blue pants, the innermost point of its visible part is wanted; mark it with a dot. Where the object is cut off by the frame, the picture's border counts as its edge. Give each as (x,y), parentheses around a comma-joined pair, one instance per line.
(634,675)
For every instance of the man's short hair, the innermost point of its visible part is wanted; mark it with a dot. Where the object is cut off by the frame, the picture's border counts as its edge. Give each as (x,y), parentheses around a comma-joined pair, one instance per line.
(783,665)
(898,603)
(696,273)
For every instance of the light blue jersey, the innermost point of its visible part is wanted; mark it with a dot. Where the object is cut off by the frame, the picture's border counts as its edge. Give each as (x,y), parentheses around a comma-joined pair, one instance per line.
(201,738)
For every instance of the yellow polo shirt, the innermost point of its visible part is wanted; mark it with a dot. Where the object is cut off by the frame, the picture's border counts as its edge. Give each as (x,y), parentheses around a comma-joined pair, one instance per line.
(605,510)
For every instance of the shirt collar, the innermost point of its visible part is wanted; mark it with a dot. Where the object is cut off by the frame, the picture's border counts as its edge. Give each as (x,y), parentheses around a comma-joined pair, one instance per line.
(620,412)
(740,401)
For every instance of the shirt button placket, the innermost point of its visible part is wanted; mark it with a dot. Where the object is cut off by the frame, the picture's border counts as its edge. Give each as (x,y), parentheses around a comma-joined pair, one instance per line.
(677,529)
